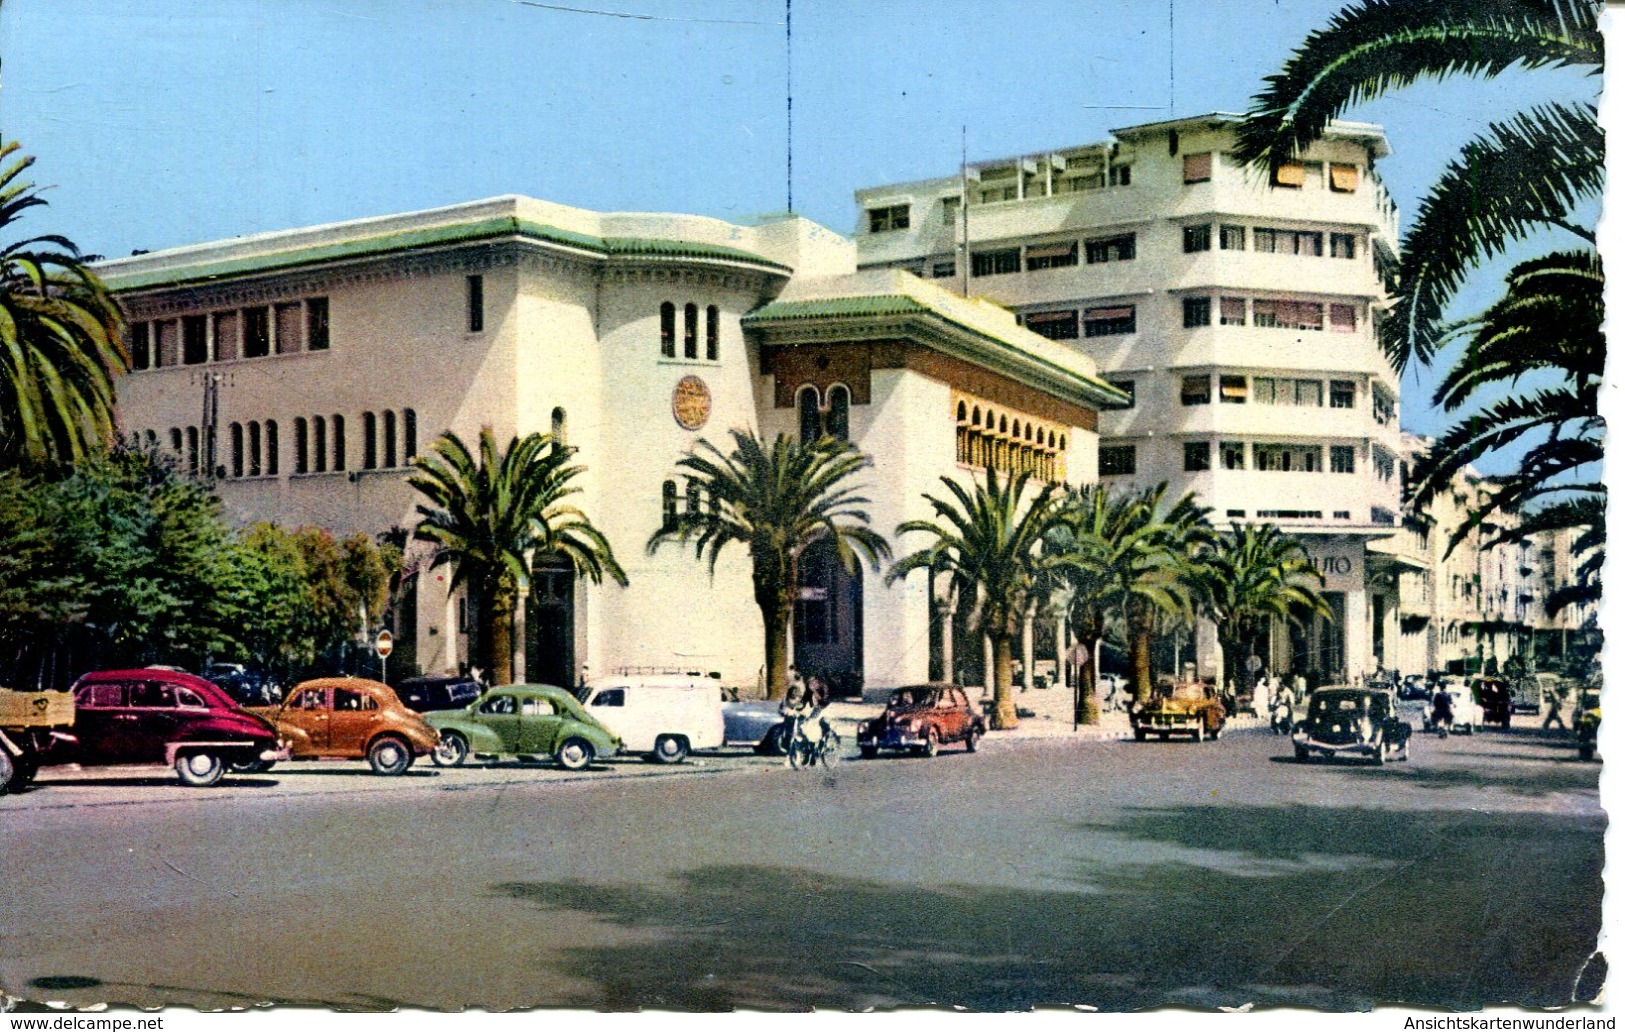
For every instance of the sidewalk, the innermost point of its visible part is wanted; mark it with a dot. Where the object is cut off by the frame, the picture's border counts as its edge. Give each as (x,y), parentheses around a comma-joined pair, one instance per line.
(1050,716)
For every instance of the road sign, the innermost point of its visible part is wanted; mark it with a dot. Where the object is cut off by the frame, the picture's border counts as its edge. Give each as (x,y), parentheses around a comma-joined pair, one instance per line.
(384,645)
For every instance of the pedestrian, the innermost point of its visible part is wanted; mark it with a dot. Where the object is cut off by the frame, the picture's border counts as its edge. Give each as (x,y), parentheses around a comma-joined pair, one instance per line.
(1554,708)
(1300,688)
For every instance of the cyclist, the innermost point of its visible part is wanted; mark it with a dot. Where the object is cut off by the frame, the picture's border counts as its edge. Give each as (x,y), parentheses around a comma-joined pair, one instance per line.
(804,700)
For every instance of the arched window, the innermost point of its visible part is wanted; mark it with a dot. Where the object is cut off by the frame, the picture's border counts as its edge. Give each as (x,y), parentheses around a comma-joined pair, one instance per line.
(1052,438)
(301,445)
(1004,425)
(236,449)
(369,441)
(976,416)
(338,442)
(272,467)
(807,409)
(389,438)
(175,441)
(837,422)
(691,331)
(668,505)
(961,414)
(409,435)
(692,499)
(668,330)
(191,450)
(319,443)
(254,448)
(713,328)
(152,440)
(561,428)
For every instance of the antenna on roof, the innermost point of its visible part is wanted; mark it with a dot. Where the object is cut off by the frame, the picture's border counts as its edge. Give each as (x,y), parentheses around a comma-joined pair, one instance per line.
(789,115)
(964,216)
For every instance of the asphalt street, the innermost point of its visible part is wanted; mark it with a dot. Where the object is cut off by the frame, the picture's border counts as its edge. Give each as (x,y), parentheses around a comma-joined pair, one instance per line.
(1114,874)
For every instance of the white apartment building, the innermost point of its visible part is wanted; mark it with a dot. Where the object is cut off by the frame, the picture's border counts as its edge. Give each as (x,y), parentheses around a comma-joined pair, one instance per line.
(1239,314)
(303,370)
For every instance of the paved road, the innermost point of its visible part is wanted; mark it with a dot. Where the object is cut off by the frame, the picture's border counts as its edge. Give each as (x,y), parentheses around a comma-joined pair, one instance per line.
(1115,874)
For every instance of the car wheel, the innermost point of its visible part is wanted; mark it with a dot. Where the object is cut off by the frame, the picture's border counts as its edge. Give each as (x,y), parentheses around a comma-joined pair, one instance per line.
(868,752)
(1139,734)
(1380,757)
(671,749)
(1587,752)
(252,766)
(574,754)
(8,771)
(200,770)
(1200,732)
(1301,753)
(971,741)
(452,750)
(389,756)
(26,768)
(1404,751)
(772,743)
(932,742)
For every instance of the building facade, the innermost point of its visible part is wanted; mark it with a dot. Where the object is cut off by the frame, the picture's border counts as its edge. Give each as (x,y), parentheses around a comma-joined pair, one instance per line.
(303,371)
(1239,313)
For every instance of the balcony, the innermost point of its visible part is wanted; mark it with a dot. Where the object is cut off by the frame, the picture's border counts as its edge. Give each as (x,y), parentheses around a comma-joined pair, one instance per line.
(1260,347)
(1253,271)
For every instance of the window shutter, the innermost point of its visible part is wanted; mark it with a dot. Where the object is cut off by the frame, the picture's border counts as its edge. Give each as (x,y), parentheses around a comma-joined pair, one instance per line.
(1345,178)
(1289,173)
(1198,168)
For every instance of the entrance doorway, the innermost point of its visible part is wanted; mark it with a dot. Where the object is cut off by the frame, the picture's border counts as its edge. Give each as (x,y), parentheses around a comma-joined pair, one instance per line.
(829,621)
(550,633)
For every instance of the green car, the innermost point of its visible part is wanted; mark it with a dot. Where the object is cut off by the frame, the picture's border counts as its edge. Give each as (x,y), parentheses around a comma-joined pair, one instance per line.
(522,720)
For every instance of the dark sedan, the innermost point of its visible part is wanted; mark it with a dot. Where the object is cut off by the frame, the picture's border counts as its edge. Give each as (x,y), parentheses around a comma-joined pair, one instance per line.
(433,694)
(1358,722)
(755,722)
(921,719)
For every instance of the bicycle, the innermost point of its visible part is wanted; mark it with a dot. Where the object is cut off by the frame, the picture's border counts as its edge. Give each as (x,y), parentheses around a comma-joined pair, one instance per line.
(803,751)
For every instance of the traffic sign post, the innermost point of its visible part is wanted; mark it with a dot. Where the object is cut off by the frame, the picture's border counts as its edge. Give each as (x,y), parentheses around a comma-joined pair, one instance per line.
(384,644)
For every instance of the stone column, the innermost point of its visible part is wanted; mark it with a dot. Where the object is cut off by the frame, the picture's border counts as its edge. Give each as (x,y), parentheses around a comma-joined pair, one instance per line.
(945,616)
(1060,650)
(987,665)
(1356,636)
(451,632)
(518,643)
(1027,650)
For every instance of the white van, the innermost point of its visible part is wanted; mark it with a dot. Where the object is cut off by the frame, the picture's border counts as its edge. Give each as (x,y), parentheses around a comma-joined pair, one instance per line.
(662,715)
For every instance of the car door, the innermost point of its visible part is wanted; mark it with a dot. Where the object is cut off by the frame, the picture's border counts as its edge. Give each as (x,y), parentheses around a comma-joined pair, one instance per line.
(354,719)
(100,720)
(539,726)
(310,712)
(152,722)
(951,715)
(500,713)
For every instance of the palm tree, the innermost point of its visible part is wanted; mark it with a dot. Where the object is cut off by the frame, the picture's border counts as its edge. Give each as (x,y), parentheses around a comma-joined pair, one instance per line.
(61,340)
(778,502)
(1158,573)
(1099,532)
(988,540)
(492,516)
(1253,575)
(1521,176)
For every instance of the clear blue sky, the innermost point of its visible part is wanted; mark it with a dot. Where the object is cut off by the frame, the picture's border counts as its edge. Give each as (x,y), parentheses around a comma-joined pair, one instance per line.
(165,122)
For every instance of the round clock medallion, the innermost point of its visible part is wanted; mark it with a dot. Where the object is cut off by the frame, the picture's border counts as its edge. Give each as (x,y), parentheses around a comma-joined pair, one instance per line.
(691,403)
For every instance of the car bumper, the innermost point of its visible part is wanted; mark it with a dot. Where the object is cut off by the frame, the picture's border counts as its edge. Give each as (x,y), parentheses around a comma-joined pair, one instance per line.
(1334,748)
(891,738)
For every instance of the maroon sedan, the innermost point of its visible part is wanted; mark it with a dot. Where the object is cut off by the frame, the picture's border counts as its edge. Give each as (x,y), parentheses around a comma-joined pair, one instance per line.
(920,719)
(164,716)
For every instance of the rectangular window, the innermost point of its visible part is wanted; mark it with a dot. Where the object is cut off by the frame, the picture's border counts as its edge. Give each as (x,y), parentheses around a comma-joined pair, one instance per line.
(228,336)
(1342,245)
(1198,238)
(1382,406)
(1264,390)
(995,194)
(256,332)
(1108,322)
(1232,455)
(1198,311)
(1198,456)
(1342,458)
(950,211)
(1232,311)
(1196,390)
(1342,394)
(194,339)
(1127,387)
(1307,393)
(1233,390)
(1054,325)
(1232,238)
(942,270)
(316,329)
(1269,457)
(1308,245)
(884,220)
(476,304)
(1288,174)
(713,332)
(1118,248)
(140,345)
(1236,514)
(290,329)
(995,263)
(1122,175)
(1198,168)
(1078,184)
(1345,178)
(1052,256)
(1264,240)
(1117,460)
(1288,315)
(1342,318)
(1305,460)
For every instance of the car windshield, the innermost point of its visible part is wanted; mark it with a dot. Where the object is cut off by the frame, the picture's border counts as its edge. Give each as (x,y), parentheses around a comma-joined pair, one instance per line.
(908,698)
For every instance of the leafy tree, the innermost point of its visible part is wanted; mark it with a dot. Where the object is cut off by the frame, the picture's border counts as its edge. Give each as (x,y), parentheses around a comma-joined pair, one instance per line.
(492,515)
(777,501)
(1521,176)
(989,541)
(1157,574)
(39,593)
(61,340)
(1253,575)
(1098,532)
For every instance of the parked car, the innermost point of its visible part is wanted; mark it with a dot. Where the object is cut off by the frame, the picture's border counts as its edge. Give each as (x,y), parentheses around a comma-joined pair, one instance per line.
(522,720)
(153,715)
(1360,722)
(1587,721)
(1179,709)
(244,686)
(920,719)
(1494,698)
(756,722)
(664,716)
(1415,688)
(1467,716)
(431,694)
(351,718)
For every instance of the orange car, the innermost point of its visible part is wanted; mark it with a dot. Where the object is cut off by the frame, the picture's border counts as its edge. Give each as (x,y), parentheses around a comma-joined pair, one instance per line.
(351,718)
